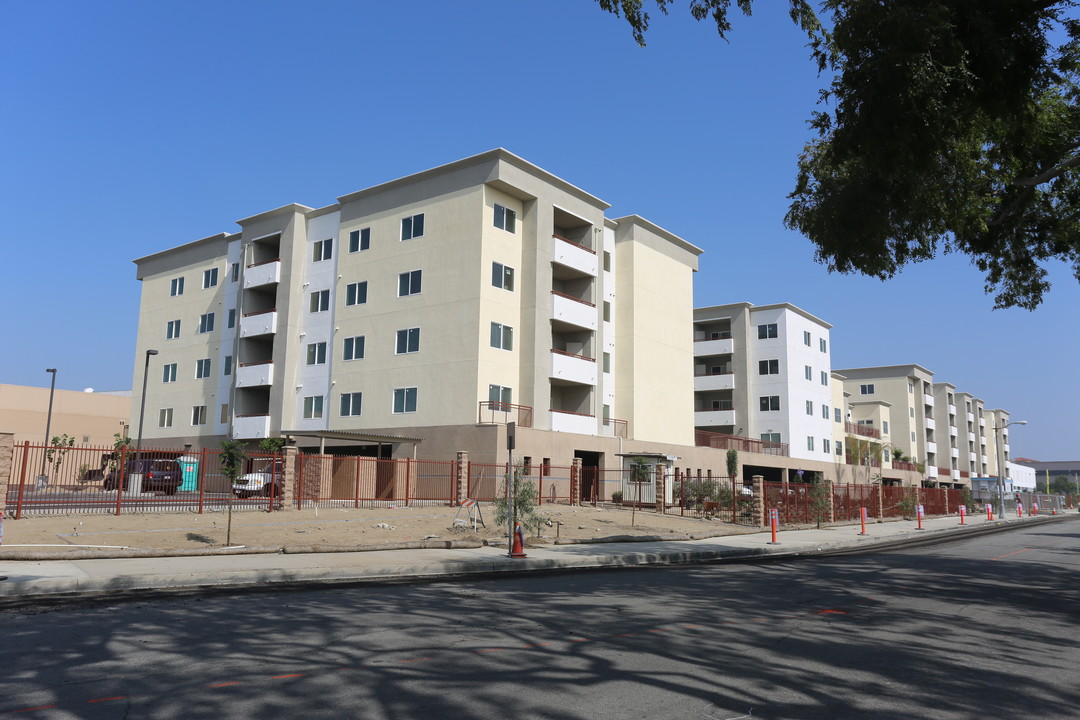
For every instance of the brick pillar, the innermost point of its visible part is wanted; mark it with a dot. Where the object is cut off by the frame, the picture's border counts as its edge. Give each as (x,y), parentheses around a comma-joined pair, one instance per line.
(832,500)
(759,500)
(288,482)
(462,486)
(880,502)
(7,450)
(575,482)
(661,490)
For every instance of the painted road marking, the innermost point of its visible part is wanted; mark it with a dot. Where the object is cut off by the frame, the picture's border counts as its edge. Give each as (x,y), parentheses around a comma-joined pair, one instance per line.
(1016,552)
(118,697)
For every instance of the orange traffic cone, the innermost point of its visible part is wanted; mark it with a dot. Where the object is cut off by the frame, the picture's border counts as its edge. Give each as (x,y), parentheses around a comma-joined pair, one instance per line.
(518,549)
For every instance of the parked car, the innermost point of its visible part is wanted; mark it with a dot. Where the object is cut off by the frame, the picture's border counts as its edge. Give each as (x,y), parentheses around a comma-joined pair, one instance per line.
(157,474)
(264,480)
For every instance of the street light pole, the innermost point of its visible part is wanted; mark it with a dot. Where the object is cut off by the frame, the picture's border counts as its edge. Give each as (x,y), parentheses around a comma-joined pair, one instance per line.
(48,418)
(142,406)
(998,435)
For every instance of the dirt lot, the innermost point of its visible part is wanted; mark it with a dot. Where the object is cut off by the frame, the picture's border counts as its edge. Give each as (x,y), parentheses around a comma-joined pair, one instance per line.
(333,527)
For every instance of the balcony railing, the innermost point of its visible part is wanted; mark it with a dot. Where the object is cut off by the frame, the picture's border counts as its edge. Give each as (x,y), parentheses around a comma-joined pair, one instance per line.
(615,427)
(723,335)
(723,370)
(569,354)
(901,465)
(864,430)
(571,297)
(720,441)
(492,412)
(575,244)
(864,461)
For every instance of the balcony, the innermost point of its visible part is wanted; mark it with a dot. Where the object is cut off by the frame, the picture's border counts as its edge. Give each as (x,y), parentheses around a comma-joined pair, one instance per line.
(929,423)
(864,430)
(901,465)
(571,422)
(985,460)
(928,400)
(264,273)
(971,437)
(972,457)
(931,447)
(720,441)
(982,422)
(255,374)
(971,417)
(952,431)
(578,369)
(952,409)
(613,427)
(931,471)
(251,427)
(714,418)
(714,381)
(499,413)
(954,452)
(719,346)
(569,254)
(263,322)
(573,311)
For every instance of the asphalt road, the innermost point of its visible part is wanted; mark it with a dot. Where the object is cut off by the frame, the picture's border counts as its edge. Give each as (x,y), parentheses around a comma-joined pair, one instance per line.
(982,628)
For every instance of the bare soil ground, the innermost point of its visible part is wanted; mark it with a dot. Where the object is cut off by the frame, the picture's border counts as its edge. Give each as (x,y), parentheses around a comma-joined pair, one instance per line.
(331,527)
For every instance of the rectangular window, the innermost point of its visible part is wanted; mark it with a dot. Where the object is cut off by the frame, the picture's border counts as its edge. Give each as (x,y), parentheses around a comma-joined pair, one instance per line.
(354,348)
(770,437)
(809,407)
(607,261)
(223,417)
(806,339)
(885,426)
(320,301)
(502,276)
(209,278)
(412,227)
(164,418)
(408,341)
(839,448)
(824,378)
(172,330)
(825,443)
(825,412)
(808,372)
(409,283)
(356,293)
(206,323)
(823,345)
(405,400)
(505,218)
(913,437)
(768,367)
(228,365)
(313,407)
(607,362)
(234,272)
(202,368)
(168,373)
(323,250)
(351,404)
(769,402)
(764,332)
(176,287)
(316,353)
(502,395)
(360,240)
(838,415)
(866,389)
(809,442)
(231,322)
(502,336)
(607,311)
(198,415)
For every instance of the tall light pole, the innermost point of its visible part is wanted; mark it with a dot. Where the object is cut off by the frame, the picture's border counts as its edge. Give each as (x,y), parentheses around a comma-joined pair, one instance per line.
(142,405)
(998,435)
(48,418)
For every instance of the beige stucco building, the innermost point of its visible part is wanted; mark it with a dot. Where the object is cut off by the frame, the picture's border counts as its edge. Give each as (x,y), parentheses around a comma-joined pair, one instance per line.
(421,315)
(92,418)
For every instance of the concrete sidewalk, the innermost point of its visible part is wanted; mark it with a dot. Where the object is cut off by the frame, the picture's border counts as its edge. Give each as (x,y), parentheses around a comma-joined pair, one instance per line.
(28,579)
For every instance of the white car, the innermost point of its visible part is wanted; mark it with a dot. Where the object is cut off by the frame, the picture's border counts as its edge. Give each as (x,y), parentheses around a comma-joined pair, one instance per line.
(266,479)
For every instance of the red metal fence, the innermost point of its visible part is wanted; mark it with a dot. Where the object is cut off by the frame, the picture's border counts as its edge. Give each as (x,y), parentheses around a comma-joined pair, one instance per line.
(351,481)
(848,499)
(551,482)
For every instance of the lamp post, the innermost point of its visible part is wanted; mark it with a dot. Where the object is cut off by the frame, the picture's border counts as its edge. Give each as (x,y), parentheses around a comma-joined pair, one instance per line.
(998,435)
(48,418)
(142,405)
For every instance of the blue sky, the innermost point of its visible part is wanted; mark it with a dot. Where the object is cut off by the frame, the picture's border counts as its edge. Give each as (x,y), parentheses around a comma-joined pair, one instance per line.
(129,128)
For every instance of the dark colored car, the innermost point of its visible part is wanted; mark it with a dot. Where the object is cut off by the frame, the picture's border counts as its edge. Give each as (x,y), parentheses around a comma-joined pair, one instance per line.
(163,475)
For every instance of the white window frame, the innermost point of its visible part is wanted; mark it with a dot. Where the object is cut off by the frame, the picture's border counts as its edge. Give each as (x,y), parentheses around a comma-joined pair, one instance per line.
(172,330)
(352,404)
(313,407)
(769,401)
(502,337)
(168,373)
(203,368)
(411,281)
(407,341)
(771,366)
(322,250)
(353,292)
(206,323)
(403,393)
(210,278)
(410,225)
(176,286)
(867,389)
(198,415)
(505,218)
(767,331)
(227,365)
(352,341)
(360,240)
(501,394)
(316,353)
(165,417)
(502,276)
(230,322)
(319,301)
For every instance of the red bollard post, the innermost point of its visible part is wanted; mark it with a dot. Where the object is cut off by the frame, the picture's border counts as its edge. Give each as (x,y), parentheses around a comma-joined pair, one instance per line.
(862,519)
(963,511)
(774,520)
(989,511)
(918,516)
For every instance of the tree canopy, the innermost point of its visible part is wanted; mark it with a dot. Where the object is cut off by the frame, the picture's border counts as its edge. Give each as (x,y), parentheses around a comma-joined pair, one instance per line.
(948,126)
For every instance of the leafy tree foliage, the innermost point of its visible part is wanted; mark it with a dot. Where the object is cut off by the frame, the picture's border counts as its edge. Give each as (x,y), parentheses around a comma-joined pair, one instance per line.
(948,126)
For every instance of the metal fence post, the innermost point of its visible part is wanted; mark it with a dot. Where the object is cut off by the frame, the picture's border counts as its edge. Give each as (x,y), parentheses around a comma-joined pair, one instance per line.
(22,480)
(121,475)
(202,481)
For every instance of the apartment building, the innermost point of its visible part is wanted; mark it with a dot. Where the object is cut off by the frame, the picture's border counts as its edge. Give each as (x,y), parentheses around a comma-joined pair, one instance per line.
(973,452)
(764,372)
(422,315)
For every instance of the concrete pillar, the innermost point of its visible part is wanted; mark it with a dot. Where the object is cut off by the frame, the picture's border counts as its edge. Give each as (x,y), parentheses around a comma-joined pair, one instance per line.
(7,450)
(661,490)
(291,472)
(462,485)
(575,482)
(759,500)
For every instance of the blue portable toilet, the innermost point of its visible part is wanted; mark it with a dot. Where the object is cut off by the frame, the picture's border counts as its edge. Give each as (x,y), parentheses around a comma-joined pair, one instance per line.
(189,473)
